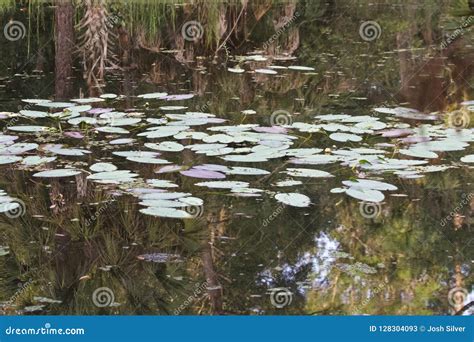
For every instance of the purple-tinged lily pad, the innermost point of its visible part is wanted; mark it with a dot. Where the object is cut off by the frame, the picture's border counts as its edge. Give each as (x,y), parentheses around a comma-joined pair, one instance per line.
(212,167)
(206,174)
(75,135)
(395,133)
(413,140)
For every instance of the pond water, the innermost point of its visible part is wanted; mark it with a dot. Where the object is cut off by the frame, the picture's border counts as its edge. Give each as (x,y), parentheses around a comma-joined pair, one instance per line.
(287,158)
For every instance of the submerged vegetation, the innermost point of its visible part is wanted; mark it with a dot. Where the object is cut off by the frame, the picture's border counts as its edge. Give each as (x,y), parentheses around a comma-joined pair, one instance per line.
(212,157)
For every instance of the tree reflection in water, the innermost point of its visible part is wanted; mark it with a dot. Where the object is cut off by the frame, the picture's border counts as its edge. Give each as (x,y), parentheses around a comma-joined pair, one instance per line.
(77,236)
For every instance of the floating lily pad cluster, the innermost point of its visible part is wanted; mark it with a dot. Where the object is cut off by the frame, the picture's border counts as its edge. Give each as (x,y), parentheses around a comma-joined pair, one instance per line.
(407,144)
(169,204)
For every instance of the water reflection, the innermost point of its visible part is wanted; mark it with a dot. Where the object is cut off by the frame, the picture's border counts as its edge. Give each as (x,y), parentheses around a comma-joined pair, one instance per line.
(84,248)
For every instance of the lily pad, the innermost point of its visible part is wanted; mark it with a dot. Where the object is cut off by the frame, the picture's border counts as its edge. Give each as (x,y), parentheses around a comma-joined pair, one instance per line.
(161,183)
(248,171)
(37,160)
(293,199)
(29,129)
(370,184)
(300,68)
(33,114)
(199,173)
(166,212)
(153,95)
(468,159)
(223,184)
(266,71)
(103,167)
(9,159)
(300,172)
(56,173)
(367,195)
(344,137)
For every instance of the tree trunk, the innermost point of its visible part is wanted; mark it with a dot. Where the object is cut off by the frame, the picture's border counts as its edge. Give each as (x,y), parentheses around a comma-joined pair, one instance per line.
(64,46)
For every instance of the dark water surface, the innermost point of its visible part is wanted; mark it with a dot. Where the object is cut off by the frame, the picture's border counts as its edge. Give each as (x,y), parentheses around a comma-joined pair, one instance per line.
(72,245)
